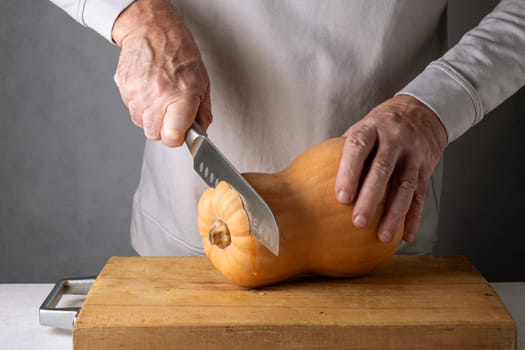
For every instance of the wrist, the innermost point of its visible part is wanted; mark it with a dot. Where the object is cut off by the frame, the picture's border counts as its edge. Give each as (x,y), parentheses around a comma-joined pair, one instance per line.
(141,14)
(431,116)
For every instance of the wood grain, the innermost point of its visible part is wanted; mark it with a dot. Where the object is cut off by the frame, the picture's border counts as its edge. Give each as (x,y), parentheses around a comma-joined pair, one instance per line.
(183,303)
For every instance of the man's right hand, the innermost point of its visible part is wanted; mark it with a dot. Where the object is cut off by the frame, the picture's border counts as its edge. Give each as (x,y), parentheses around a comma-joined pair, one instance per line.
(161,77)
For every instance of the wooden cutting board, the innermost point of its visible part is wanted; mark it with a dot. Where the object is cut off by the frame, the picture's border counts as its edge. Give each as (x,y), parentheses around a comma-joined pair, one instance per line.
(184,303)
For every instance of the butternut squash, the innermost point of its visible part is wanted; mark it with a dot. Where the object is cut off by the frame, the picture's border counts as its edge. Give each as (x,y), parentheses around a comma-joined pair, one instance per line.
(317,233)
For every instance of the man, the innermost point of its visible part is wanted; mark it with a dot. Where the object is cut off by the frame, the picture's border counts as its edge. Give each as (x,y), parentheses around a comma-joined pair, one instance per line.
(285,75)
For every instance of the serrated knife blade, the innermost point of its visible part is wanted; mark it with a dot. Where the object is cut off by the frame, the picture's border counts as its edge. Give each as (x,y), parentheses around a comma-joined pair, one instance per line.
(213,167)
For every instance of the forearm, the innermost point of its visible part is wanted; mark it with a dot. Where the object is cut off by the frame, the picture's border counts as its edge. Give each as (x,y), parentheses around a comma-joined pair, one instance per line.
(144,14)
(481,71)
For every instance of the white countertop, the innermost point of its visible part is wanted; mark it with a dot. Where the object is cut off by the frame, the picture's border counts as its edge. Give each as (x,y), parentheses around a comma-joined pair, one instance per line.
(19,327)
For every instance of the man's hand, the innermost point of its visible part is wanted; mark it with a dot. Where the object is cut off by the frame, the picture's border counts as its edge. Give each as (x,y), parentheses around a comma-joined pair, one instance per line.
(160,75)
(403,140)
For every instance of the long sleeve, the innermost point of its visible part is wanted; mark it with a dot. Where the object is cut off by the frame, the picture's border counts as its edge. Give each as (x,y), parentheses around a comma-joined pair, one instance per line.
(98,15)
(486,67)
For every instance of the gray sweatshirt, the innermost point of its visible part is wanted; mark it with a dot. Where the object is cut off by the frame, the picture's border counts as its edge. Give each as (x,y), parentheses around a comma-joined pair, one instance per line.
(286,75)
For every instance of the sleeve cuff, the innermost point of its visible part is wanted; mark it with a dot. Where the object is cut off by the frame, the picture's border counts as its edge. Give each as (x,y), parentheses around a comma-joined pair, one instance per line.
(449,95)
(100,15)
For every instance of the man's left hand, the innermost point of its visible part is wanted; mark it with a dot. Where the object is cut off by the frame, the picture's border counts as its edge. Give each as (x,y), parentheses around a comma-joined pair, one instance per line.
(403,140)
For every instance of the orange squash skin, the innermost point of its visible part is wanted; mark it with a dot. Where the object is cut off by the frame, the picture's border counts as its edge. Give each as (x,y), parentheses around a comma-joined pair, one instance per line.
(317,233)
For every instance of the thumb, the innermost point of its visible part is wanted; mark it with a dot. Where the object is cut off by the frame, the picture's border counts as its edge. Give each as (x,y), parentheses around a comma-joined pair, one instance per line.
(178,118)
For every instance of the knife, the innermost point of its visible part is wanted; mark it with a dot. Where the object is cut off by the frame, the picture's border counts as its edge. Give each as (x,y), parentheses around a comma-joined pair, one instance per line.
(213,167)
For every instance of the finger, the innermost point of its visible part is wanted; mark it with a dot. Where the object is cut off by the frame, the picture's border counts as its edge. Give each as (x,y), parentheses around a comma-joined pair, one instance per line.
(415,213)
(125,95)
(152,122)
(152,118)
(135,112)
(178,118)
(359,143)
(373,189)
(402,188)
(204,115)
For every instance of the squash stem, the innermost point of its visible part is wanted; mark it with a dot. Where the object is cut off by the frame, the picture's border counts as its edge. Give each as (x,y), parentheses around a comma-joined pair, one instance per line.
(219,234)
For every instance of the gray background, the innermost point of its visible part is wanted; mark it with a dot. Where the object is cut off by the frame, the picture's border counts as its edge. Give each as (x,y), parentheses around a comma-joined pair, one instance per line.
(70,158)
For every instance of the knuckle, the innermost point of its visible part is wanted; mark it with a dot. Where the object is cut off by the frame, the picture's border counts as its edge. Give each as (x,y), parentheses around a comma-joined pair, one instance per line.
(117,77)
(151,129)
(345,173)
(383,167)
(151,134)
(408,185)
(119,80)
(205,108)
(399,128)
(158,85)
(135,108)
(422,188)
(204,120)
(412,221)
(136,119)
(357,142)
(189,86)
(415,213)
(419,198)
(151,122)
(398,134)
(396,214)
(192,79)
(134,113)
(396,119)
(397,210)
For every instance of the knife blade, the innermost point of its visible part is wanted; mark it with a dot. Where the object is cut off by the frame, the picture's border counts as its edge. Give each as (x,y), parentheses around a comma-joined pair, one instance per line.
(213,167)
